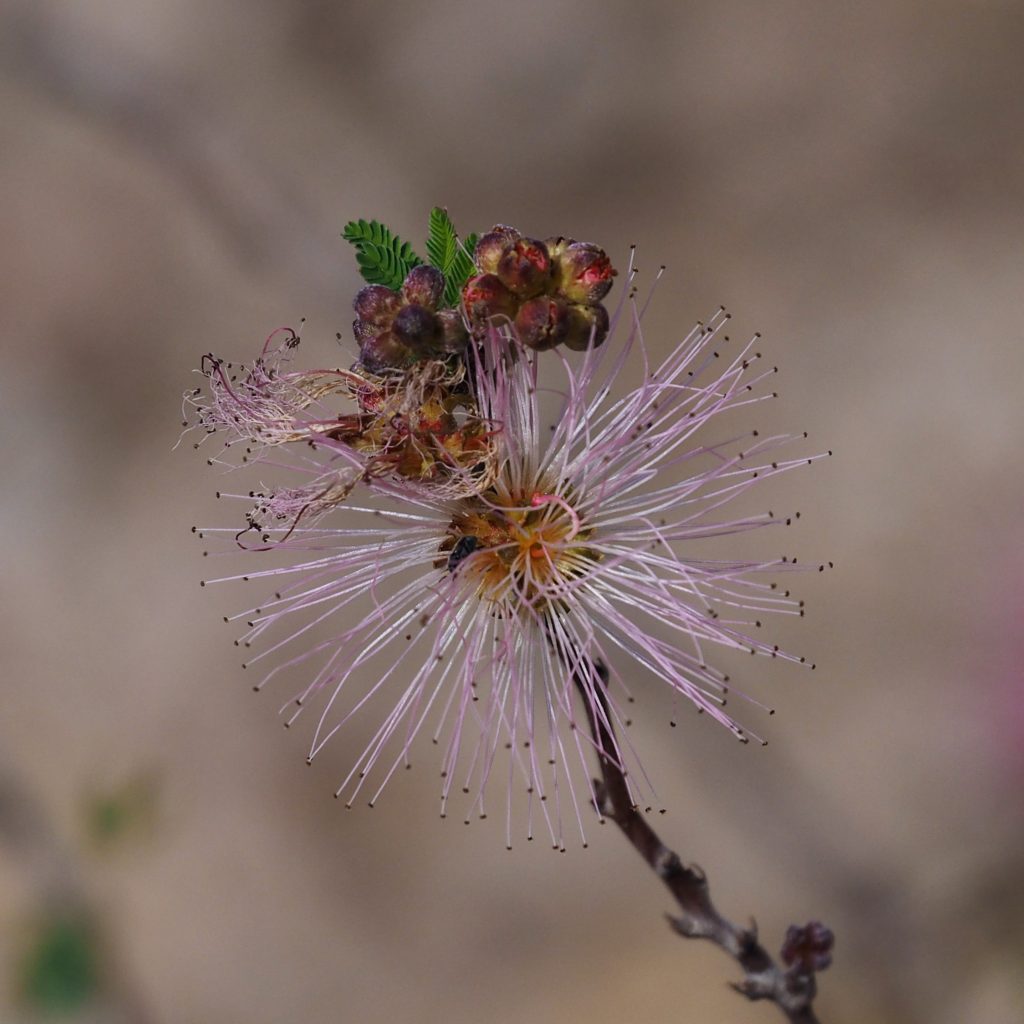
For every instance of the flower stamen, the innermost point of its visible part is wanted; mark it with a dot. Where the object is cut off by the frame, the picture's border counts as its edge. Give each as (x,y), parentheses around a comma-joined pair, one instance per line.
(539,500)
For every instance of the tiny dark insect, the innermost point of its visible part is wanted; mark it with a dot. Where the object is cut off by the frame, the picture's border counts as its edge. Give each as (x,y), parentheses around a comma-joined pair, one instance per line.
(464,547)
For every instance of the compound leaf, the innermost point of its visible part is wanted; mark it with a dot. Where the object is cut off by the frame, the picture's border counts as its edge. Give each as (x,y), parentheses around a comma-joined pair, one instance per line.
(383,257)
(460,270)
(442,242)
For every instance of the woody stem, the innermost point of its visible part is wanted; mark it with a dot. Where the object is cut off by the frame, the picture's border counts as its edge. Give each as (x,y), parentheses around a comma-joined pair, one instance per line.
(791,989)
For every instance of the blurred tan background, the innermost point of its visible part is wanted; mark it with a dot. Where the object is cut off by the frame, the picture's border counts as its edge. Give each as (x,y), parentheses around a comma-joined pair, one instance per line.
(848,178)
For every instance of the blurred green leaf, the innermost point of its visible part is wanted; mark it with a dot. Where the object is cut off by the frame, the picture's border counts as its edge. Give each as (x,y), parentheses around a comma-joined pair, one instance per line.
(60,973)
(122,812)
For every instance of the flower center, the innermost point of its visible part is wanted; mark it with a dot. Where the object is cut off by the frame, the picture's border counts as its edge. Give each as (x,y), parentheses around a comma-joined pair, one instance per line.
(518,547)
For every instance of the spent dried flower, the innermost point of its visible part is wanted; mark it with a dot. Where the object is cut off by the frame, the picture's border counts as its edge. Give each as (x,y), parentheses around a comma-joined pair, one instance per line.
(338,428)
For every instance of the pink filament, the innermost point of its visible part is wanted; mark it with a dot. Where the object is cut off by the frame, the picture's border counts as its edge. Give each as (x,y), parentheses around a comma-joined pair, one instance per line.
(553,499)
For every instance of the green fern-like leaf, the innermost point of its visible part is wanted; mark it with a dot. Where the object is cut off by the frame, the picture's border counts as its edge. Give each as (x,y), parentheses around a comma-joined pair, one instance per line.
(382,256)
(453,258)
(442,242)
(460,270)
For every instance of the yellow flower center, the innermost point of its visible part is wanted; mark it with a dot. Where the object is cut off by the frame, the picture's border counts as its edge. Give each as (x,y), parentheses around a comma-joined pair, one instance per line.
(518,547)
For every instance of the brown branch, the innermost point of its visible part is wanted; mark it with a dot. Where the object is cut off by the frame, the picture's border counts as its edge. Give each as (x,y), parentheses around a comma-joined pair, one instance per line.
(806,950)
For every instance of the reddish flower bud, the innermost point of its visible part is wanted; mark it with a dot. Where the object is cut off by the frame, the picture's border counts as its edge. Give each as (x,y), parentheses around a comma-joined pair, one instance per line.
(416,327)
(557,244)
(485,296)
(424,286)
(583,272)
(377,305)
(363,330)
(453,331)
(808,949)
(490,248)
(384,352)
(588,327)
(525,267)
(543,323)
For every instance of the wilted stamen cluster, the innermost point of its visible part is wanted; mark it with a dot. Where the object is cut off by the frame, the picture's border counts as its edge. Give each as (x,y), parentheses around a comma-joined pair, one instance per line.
(422,426)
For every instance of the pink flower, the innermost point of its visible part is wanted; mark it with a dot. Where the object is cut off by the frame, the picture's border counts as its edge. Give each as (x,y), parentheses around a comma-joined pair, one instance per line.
(475,591)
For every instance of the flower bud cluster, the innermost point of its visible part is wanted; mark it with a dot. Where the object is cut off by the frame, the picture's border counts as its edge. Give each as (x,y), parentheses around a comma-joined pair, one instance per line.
(416,415)
(397,330)
(809,948)
(550,291)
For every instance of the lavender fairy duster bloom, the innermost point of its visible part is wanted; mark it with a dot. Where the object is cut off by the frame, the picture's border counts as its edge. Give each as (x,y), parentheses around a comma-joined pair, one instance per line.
(514,567)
